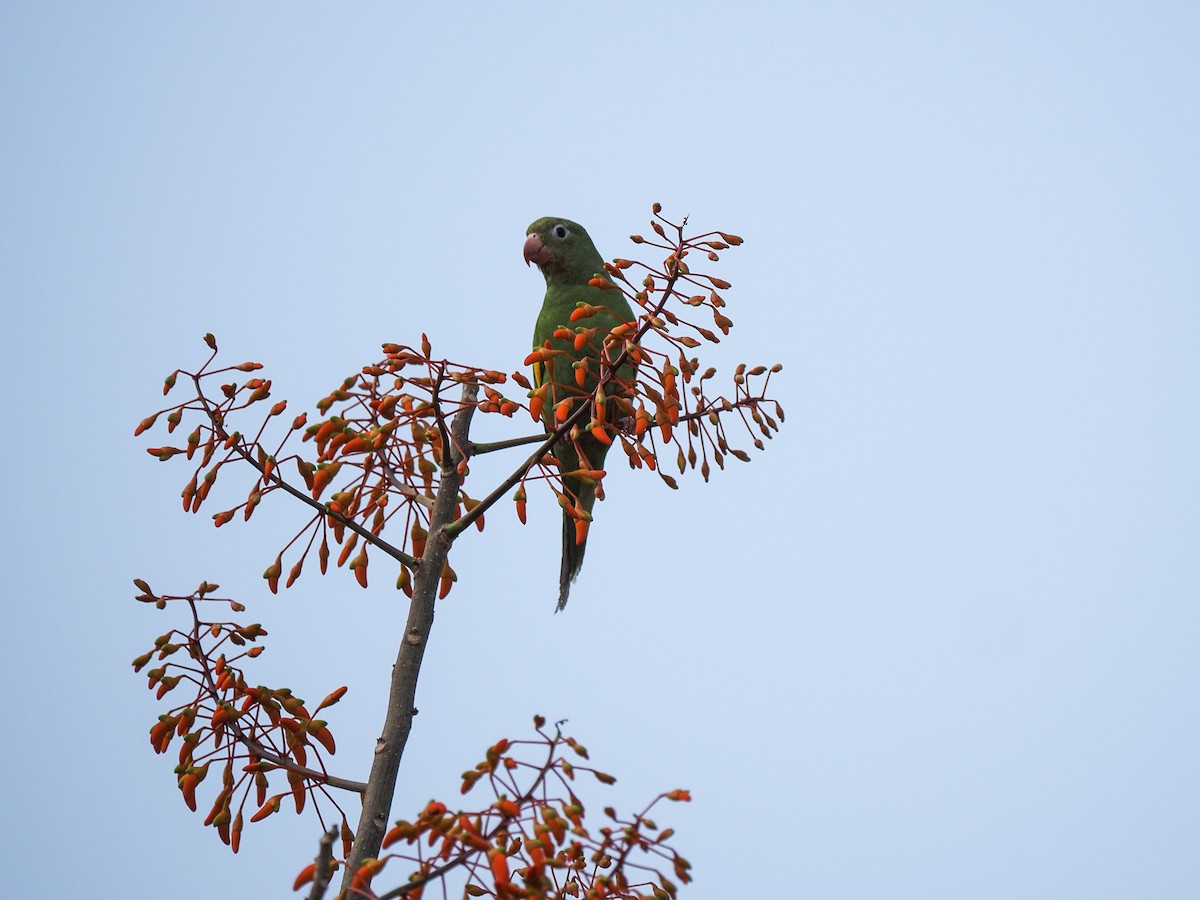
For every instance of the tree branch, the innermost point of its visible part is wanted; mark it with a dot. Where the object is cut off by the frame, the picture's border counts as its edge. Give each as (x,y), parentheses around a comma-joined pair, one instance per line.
(389,748)
(324,865)
(492,447)
(262,752)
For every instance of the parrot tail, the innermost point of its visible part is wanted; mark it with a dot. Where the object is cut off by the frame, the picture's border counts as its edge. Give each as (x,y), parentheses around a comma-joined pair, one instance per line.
(572,561)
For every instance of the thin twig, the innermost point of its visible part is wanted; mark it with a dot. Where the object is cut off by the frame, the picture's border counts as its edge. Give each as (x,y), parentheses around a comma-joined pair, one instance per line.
(493,446)
(406,490)
(324,865)
(283,762)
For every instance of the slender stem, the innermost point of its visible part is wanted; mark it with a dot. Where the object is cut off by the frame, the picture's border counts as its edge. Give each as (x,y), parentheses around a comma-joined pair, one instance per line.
(492,447)
(283,762)
(324,865)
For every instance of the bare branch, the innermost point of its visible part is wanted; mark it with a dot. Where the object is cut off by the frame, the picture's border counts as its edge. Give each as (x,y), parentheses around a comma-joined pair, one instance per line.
(324,865)
(389,748)
(493,446)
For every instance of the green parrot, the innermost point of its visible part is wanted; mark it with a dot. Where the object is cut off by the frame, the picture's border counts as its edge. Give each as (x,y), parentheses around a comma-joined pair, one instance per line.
(568,259)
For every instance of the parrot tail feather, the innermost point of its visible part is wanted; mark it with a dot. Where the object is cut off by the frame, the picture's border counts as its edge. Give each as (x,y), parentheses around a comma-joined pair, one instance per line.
(572,561)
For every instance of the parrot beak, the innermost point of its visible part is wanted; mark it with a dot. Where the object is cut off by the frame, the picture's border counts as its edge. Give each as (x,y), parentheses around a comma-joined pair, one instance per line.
(535,250)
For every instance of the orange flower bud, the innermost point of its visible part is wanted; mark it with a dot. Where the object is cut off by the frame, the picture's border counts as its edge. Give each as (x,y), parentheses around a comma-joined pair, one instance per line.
(498,863)
(368,870)
(318,730)
(333,697)
(220,716)
(272,574)
(358,566)
(271,806)
(537,405)
(448,578)
(298,794)
(418,536)
(508,807)
(641,421)
(294,573)
(306,875)
(321,479)
(189,493)
(187,786)
(327,428)
(541,354)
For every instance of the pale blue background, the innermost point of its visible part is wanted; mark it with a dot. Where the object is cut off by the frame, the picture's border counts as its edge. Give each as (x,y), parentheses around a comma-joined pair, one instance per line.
(939,641)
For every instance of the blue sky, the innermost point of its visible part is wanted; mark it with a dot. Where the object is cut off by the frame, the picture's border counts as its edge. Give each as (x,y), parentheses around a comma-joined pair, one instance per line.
(938,641)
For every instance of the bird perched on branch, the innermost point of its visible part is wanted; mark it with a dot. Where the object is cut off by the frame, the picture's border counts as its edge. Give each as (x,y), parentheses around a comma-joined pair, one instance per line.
(570,367)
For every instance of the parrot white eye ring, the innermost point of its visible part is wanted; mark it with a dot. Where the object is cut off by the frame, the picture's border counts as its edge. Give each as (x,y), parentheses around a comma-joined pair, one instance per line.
(561,232)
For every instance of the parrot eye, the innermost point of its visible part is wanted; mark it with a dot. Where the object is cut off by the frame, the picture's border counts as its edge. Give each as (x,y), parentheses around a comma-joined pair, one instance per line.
(561,232)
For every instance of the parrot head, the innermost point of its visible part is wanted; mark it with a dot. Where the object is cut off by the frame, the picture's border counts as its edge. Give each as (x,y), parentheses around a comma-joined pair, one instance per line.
(562,250)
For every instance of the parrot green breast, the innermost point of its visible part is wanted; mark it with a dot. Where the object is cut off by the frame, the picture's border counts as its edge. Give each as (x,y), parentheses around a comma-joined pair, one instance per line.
(559,303)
